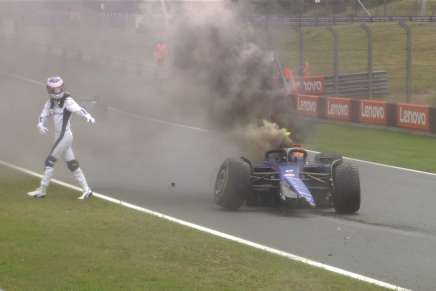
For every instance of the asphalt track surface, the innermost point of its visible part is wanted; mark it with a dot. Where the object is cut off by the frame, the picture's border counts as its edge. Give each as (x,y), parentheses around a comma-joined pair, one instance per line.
(392,238)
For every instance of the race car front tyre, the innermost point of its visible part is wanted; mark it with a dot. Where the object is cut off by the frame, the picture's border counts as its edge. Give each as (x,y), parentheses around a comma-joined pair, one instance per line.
(346,196)
(232,184)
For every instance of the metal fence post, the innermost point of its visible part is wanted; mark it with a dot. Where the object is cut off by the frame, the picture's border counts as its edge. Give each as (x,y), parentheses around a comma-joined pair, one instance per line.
(335,56)
(408,31)
(268,30)
(301,52)
(366,28)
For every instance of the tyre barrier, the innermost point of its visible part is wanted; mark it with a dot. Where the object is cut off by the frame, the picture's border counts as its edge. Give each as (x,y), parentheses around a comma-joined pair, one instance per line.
(373,112)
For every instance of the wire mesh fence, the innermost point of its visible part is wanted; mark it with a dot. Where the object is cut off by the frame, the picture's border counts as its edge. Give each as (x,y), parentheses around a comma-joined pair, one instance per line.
(345,7)
(410,67)
(116,38)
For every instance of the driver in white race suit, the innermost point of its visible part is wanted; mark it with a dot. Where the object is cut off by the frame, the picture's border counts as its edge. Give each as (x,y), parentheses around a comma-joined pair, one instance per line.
(60,106)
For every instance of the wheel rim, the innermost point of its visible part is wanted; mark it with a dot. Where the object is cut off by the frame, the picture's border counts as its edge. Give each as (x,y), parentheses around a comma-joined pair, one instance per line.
(221,182)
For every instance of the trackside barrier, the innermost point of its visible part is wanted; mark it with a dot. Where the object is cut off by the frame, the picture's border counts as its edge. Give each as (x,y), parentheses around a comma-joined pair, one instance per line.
(373,112)
(413,116)
(335,20)
(348,85)
(376,112)
(313,85)
(308,105)
(338,108)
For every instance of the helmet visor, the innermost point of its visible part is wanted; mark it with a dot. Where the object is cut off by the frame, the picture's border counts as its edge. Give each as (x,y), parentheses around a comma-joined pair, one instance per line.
(55,90)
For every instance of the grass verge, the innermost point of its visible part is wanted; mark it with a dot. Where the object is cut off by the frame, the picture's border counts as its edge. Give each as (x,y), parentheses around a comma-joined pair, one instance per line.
(391,147)
(60,243)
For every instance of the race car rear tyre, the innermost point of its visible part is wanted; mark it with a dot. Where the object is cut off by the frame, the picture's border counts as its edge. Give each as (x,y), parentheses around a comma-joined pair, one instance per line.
(232,184)
(346,196)
(327,158)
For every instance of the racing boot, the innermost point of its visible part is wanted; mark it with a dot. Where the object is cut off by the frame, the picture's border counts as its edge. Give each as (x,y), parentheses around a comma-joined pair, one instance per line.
(86,194)
(39,192)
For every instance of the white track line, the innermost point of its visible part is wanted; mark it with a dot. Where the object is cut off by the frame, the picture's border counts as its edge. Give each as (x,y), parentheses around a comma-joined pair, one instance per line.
(392,167)
(131,114)
(383,165)
(207,130)
(23,78)
(142,117)
(220,234)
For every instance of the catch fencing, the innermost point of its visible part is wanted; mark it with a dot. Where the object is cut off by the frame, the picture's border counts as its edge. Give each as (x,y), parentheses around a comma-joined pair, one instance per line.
(348,8)
(337,20)
(397,45)
(401,48)
(358,85)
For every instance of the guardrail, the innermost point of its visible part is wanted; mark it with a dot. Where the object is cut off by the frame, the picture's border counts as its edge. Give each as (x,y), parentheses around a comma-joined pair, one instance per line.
(358,85)
(334,20)
(376,112)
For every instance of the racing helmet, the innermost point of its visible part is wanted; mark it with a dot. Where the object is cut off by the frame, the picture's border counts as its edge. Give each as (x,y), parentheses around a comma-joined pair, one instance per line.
(55,87)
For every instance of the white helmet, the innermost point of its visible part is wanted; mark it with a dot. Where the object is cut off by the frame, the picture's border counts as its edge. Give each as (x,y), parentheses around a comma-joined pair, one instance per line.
(55,87)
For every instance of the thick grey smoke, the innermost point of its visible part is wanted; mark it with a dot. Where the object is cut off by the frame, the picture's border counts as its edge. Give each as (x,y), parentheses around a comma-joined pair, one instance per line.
(225,66)
(219,73)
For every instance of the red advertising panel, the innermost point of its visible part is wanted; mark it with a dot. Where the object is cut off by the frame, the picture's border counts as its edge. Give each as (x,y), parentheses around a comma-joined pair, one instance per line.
(307,105)
(413,116)
(373,111)
(338,108)
(313,85)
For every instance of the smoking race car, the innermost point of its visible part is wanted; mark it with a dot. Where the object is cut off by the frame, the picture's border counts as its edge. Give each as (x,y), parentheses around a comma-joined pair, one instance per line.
(287,179)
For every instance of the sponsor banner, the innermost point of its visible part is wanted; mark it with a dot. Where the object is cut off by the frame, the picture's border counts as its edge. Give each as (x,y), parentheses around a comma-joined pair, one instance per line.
(338,108)
(373,111)
(313,85)
(413,116)
(308,105)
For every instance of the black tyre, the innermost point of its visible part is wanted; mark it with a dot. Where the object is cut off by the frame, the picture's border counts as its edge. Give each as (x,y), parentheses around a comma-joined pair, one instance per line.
(232,184)
(346,196)
(327,158)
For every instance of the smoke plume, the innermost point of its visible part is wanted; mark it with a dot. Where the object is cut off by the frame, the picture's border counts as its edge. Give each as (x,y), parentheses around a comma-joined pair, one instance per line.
(220,77)
(225,68)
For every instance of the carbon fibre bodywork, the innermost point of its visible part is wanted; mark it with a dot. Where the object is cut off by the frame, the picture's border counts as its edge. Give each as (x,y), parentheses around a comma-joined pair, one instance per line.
(287,177)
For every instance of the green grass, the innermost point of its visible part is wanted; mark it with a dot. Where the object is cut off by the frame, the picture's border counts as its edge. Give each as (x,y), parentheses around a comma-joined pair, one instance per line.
(388,55)
(60,243)
(404,7)
(375,144)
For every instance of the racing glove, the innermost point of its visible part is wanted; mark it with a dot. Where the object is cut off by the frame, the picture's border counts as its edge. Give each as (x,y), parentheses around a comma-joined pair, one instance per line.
(89,118)
(42,129)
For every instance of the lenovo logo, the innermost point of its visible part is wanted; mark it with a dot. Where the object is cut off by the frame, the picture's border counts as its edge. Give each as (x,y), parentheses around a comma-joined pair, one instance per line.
(339,108)
(307,105)
(313,85)
(373,111)
(413,116)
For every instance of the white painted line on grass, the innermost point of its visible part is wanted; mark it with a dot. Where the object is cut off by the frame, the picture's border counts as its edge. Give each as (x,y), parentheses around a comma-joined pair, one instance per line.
(220,234)
(207,130)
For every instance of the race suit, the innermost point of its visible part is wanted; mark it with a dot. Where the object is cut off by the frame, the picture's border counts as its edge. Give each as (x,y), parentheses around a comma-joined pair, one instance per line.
(61,110)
